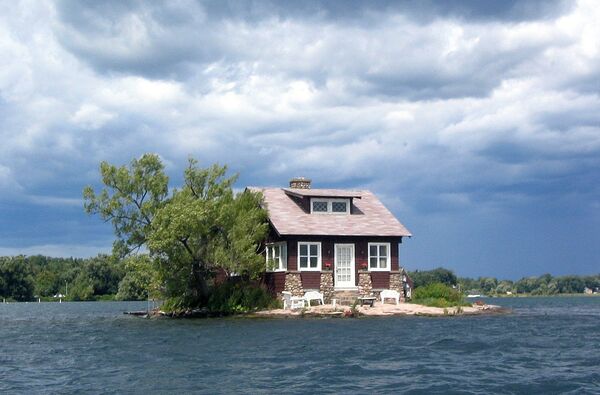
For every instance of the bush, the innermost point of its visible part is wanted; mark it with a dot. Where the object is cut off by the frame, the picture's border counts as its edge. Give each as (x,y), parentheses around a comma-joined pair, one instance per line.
(242,297)
(438,295)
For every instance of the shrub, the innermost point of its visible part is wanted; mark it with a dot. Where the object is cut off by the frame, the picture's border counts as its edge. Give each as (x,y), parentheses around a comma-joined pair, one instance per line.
(241,297)
(438,295)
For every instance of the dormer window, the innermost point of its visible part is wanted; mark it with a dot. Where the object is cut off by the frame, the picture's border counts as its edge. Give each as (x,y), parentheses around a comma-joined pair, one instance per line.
(329,206)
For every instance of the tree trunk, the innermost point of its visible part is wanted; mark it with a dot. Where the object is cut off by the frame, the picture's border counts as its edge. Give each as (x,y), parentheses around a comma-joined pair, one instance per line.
(200,285)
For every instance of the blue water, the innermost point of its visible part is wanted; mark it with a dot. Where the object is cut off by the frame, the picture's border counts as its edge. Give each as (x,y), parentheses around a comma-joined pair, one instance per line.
(548,345)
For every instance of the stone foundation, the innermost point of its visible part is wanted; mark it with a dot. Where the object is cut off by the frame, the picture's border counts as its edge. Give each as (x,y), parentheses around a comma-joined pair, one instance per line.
(396,283)
(326,287)
(293,284)
(365,286)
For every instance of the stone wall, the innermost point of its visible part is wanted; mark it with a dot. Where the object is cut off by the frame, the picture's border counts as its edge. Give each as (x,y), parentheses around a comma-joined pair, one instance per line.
(396,283)
(326,287)
(365,286)
(293,283)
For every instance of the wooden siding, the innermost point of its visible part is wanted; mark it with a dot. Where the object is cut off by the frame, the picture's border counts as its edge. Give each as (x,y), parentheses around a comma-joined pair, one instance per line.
(274,282)
(380,280)
(311,279)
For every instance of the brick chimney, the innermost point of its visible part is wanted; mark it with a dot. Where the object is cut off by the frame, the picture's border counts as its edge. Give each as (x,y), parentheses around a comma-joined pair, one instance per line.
(300,183)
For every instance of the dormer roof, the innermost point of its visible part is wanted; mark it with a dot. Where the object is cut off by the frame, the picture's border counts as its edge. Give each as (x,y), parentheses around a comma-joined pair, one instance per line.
(324,193)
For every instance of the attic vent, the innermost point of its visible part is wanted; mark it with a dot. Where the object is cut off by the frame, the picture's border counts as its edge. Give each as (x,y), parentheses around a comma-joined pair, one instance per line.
(300,183)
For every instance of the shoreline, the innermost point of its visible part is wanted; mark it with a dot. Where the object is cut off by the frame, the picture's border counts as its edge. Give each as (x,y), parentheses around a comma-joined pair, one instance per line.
(329,311)
(382,310)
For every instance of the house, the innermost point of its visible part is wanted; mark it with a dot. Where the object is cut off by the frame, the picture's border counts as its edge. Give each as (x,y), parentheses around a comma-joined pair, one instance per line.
(333,241)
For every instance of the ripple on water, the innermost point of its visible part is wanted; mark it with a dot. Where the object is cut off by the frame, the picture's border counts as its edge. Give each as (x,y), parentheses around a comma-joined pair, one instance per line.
(93,348)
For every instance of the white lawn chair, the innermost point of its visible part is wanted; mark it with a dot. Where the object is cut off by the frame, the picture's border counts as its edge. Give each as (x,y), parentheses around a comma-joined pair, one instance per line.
(313,295)
(292,302)
(389,294)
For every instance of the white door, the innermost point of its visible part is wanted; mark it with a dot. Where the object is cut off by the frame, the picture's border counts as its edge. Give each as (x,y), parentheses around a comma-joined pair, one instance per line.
(344,265)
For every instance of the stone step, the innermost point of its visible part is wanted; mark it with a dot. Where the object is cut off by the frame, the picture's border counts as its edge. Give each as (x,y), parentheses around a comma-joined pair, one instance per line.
(346,298)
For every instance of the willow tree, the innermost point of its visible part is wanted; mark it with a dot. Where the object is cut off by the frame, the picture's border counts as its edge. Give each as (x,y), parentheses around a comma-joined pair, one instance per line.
(192,232)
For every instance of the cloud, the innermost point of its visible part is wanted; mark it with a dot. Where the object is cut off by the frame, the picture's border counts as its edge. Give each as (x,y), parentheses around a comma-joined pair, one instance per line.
(444,108)
(56,250)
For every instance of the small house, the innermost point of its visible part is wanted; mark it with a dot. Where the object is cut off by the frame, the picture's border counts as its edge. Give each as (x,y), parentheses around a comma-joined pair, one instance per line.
(335,241)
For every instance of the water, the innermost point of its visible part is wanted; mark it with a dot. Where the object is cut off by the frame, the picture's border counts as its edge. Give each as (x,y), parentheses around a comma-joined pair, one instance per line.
(548,345)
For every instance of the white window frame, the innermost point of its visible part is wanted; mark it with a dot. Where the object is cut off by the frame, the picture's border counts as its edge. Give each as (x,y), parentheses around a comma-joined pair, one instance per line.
(389,258)
(330,205)
(282,258)
(319,256)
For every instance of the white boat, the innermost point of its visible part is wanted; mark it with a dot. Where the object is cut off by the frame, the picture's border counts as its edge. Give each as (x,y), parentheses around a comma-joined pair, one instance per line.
(473,296)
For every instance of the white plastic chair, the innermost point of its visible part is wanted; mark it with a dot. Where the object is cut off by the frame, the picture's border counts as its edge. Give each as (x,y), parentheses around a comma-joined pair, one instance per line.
(313,295)
(389,294)
(292,302)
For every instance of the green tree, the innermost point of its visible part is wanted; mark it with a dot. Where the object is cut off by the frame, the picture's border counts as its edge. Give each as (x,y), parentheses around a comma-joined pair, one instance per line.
(141,279)
(16,280)
(199,229)
(81,288)
(104,273)
(46,283)
(439,275)
(130,201)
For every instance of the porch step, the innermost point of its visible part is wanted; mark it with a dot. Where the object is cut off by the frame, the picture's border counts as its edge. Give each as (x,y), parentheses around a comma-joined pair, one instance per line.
(346,298)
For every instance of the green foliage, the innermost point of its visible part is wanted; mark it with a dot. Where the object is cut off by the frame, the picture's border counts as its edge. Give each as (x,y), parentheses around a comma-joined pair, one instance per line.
(37,276)
(82,288)
(141,280)
(199,229)
(438,295)
(542,285)
(105,273)
(439,275)
(16,280)
(242,297)
(133,196)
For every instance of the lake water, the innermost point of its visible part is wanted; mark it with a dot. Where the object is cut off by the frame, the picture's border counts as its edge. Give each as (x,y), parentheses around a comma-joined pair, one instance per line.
(548,345)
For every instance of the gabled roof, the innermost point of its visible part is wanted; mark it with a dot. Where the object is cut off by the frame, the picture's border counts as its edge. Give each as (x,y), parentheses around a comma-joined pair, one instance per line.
(369,216)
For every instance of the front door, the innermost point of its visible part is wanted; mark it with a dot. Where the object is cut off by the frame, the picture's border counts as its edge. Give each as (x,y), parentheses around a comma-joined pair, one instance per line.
(344,265)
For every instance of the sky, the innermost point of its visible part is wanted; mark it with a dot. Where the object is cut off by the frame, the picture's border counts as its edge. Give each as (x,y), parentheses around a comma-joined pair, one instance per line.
(476,123)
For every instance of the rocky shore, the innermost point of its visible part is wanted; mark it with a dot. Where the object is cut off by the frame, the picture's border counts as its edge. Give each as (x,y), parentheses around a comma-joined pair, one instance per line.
(380,310)
(328,310)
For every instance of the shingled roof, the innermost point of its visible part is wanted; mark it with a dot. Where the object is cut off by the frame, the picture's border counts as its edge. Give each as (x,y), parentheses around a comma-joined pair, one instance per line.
(369,216)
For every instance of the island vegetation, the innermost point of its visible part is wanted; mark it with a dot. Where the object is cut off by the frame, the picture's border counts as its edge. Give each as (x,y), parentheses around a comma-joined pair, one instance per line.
(193,235)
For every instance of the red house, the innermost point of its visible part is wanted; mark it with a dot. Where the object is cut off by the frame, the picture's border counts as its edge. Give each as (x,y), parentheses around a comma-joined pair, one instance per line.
(335,241)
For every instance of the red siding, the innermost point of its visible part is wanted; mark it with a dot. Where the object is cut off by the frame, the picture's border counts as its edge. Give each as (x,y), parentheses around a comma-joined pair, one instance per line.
(380,280)
(311,280)
(274,282)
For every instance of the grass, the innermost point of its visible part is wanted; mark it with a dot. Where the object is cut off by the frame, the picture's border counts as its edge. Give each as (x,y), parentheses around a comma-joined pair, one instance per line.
(438,295)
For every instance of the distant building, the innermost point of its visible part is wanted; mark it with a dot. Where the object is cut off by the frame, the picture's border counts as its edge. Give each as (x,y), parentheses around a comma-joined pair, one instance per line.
(588,291)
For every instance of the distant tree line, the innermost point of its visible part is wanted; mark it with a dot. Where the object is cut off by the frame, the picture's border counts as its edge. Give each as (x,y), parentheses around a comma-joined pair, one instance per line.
(25,278)
(541,285)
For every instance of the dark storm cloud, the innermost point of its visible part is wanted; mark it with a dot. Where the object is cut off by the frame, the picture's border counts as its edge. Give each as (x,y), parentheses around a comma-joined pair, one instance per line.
(179,40)
(340,10)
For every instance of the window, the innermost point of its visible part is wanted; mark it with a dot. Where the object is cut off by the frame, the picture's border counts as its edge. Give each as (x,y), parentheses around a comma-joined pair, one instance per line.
(309,256)
(339,207)
(319,206)
(276,257)
(330,206)
(379,256)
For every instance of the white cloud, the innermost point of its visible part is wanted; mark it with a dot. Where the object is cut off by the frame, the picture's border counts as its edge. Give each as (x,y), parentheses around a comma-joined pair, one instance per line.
(456,110)
(57,250)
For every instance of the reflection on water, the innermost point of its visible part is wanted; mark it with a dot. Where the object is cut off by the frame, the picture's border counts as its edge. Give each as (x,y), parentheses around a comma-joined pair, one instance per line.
(548,345)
